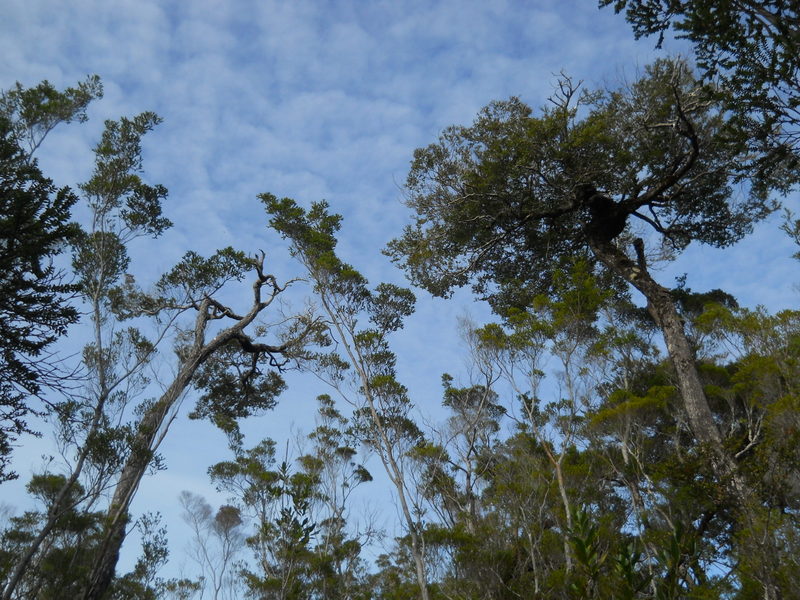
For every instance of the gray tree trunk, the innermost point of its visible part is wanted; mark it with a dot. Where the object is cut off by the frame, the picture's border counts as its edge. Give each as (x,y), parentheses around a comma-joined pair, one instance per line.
(661,306)
(152,425)
(148,430)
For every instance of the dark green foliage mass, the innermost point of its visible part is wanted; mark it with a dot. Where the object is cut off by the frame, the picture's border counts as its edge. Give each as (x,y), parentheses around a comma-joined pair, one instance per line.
(501,202)
(233,387)
(65,562)
(575,460)
(35,228)
(750,49)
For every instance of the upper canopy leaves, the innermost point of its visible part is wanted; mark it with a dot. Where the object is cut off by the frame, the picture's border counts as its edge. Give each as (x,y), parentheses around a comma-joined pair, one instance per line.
(35,228)
(34,112)
(505,200)
(751,48)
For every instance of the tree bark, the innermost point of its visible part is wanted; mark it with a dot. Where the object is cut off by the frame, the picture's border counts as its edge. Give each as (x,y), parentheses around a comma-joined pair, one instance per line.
(150,427)
(117,518)
(661,307)
(386,449)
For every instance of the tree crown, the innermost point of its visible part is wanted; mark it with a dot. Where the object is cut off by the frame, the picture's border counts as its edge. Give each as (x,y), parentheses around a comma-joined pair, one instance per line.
(504,201)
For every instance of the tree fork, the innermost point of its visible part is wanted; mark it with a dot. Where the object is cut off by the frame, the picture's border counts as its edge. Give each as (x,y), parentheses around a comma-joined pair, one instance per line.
(104,565)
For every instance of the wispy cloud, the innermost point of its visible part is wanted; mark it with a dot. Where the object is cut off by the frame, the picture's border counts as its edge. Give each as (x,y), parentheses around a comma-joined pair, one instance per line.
(317,99)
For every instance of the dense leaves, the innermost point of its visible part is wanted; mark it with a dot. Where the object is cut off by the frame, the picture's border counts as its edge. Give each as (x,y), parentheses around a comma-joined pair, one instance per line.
(35,228)
(573,461)
(751,51)
(34,311)
(502,202)
(108,429)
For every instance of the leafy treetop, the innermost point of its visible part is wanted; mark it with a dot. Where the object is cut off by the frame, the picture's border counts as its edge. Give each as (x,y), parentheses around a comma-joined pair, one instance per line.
(751,48)
(504,202)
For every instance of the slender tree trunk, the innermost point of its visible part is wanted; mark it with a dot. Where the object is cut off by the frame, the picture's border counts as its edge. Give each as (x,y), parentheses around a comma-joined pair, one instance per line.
(562,490)
(661,306)
(135,467)
(397,477)
(386,451)
(149,429)
(57,508)
(417,549)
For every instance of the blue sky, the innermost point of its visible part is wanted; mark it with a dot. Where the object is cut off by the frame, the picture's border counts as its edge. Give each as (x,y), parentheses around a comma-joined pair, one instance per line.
(313,100)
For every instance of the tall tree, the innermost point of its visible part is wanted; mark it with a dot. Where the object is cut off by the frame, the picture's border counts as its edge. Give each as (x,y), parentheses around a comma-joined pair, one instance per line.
(114,359)
(35,227)
(360,321)
(234,388)
(561,326)
(337,567)
(503,202)
(278,498)
(110,434)
(217,538)
(305,543)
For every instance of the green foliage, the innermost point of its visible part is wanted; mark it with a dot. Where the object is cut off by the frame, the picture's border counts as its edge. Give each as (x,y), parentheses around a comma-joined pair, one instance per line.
(195,276)
(234,386)
(123,208)
(143,583)
(302,544)
(63,564)
(382,420)
(589,555)
(750,49)
(35,228)
(623,403)
(112,431)
(504,202)
(35,112)
(100,258)
(313,241)
(597,489)
(115,187)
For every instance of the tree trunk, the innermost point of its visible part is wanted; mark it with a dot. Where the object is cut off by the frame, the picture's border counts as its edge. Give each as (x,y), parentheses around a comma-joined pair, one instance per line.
(56,510)
(149,429)
(117,518)
(661,307)
(386,451)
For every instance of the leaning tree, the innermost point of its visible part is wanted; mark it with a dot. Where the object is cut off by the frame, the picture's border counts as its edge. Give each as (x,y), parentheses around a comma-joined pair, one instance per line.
(609,176)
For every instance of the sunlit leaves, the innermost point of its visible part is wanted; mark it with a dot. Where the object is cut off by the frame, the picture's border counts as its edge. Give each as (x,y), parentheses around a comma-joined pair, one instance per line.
(196,276)
(496,203)
(115,191)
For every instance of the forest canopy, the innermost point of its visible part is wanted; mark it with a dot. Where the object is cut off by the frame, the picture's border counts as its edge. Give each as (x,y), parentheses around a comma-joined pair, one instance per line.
(613,434)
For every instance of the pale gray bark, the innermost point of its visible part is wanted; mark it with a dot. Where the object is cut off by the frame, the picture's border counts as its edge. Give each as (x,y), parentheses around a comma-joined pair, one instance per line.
(155,422)
(661,306)
(386,447)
